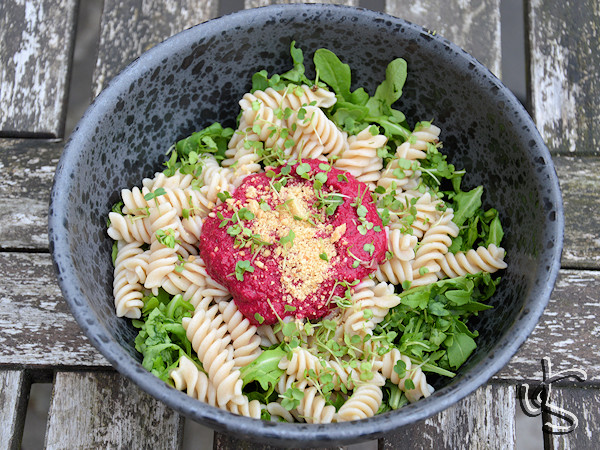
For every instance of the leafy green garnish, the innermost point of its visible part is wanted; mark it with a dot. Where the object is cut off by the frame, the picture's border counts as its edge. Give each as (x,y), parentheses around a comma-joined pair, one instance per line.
(241,267)
(430,320)
(162,339)
(264,369)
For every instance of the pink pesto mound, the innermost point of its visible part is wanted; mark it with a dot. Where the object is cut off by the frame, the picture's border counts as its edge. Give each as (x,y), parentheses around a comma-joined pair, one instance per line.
(273,273)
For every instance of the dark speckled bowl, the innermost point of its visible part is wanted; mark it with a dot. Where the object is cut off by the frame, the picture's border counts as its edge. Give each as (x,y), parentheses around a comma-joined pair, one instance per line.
(197,77)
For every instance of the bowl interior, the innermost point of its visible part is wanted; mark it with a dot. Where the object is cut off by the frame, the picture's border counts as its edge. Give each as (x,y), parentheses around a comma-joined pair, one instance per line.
(198,76)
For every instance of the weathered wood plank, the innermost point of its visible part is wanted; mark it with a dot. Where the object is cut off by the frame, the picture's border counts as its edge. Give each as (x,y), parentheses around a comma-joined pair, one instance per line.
(580,184)
(131,27)
(568,332)
(473,24)
(14,394)
(226,442)
(565,89)
(257,3)
(26,173)
(105,410)
(27,170)
(42,333)
(583,403)
(483,420)
(36,46)
(38,329)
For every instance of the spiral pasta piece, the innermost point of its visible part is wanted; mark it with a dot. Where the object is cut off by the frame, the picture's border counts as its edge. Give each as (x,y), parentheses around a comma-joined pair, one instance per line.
(416,213)
(277,411)
(364,402)
(360,158)
(394,271)
(314,408)
(210,340)
(129,228)
(432,249)
(387,363)
(301,363)
(485,259)
(177,180)
(195,382)
(317,129)
(367,296)
(197,385)
(268,336)
(245,341)
(292,97)
(163,258)
(216,180)
(425,133)
(127,289)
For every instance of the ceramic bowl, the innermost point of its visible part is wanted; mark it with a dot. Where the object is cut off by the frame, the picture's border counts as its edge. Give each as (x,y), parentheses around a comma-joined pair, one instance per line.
(197,77)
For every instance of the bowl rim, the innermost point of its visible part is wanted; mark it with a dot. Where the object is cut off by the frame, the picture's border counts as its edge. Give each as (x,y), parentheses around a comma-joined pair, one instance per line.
(224,421)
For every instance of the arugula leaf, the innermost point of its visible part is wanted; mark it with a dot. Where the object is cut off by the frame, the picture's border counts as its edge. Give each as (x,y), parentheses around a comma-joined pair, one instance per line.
(264,369)
(333,72)
(429,323)
(461,348)
(210,140)
(466,205)
(162,339)
(389,90)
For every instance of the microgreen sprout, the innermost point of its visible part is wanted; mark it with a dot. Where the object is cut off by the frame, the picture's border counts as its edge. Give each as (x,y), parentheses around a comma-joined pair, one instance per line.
(241,267)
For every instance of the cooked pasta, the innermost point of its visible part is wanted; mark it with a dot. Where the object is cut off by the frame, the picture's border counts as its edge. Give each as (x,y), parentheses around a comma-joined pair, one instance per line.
(364,402)
(369,300)
(130,267)
(360,159)
(490,259)
(344,365)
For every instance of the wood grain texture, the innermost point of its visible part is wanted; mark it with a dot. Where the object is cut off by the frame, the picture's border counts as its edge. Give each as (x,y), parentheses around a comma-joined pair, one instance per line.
(27,170)
(564,43)
(36,46)
(473,25)
(483,420)
(580,184)
(105,410)
(226,442)
(583,403)
(14,393)
(37,328)
(26,173)
(131,27)
(568,332)
(256,3)
(42,333)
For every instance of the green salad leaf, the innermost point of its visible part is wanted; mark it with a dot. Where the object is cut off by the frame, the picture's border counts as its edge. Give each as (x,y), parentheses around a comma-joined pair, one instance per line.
(162,339)
(430,321)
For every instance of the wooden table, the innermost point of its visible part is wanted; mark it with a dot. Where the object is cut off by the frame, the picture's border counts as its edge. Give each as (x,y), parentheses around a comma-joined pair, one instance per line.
(94,407)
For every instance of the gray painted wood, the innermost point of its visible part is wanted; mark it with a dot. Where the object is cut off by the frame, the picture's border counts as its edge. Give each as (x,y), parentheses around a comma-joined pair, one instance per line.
(584,404)
(36,45)
(257,3)
(14,393)
(26,173)
(44,334)
(473,25)
(580,184)
(226,442)
(38,330)
(483,420)
(568,332)
(131,27)
(27,170)
(105,410)
(563,68)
